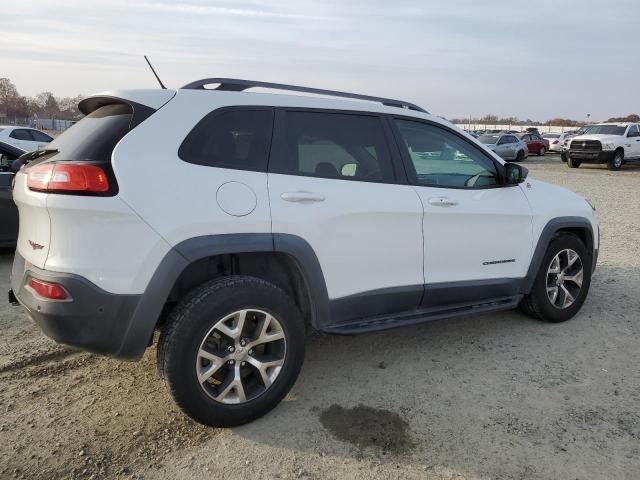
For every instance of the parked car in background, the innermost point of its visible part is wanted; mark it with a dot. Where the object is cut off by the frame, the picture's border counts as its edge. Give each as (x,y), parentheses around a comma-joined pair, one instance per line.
(612,143)
(535,143)
(555,140)
(564,147)
(8,210)
(28,139)
(507,146)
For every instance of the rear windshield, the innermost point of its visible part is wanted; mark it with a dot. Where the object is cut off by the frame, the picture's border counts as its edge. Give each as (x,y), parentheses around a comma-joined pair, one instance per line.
(489,139)
(94,137)
(551,135)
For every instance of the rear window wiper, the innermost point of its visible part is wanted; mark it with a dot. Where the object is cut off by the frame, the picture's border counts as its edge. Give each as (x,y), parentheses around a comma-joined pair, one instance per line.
(31,156)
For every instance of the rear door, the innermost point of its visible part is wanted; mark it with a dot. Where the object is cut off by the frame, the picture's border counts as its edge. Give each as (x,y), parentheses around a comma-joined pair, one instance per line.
(477,232)
(333,182)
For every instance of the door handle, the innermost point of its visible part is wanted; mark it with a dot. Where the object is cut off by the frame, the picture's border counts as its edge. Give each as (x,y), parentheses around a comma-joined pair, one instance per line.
(442,202)
(302,197)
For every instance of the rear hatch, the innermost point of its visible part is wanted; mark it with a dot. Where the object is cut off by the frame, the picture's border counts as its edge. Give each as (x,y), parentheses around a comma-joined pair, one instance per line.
(61,170)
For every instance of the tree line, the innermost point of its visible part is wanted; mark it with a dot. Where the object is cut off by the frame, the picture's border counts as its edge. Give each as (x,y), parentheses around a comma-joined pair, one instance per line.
(43,105)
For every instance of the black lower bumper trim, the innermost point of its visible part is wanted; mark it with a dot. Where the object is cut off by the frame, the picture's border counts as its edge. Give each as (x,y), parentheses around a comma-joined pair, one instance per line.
(591,157)
(93,319)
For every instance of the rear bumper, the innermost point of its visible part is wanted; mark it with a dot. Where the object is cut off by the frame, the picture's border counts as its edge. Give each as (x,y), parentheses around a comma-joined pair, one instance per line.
(591,157)
(93,319)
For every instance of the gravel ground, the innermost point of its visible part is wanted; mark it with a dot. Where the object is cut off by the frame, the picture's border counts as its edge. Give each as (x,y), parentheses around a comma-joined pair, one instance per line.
(493,396)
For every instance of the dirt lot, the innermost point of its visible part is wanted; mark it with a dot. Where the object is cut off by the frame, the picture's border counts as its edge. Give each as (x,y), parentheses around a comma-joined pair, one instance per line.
(494,396)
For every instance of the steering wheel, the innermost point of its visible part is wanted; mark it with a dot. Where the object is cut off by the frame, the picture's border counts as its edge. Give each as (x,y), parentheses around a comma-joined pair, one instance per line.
(471,182)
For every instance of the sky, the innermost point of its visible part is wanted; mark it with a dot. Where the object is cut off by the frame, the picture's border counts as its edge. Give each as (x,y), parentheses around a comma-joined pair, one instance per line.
(538,60)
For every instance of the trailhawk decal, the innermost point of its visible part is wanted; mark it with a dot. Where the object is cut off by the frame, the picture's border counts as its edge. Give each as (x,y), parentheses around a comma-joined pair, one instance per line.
(496,262)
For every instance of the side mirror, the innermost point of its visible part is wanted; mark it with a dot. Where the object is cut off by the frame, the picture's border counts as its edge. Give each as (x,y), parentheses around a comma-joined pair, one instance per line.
(515,173)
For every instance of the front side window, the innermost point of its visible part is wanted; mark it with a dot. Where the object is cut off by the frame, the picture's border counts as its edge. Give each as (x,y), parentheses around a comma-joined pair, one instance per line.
(237,139)
(442,159)
(21,134)
(334,145)
(633,131)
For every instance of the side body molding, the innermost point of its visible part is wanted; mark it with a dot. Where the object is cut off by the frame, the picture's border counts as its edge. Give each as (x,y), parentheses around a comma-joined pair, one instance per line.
(551,228)
(148,310)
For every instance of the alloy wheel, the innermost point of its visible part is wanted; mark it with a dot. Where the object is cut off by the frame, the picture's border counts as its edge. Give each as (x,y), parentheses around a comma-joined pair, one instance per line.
(241,356)
(564,278)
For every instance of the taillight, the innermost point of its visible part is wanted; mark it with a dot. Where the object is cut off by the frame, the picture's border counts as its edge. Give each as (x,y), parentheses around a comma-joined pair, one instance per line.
(75,177)
(555,142)
(49,290)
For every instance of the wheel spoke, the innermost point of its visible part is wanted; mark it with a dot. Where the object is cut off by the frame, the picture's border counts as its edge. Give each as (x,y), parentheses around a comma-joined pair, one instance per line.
(268,370)
(552,292)
(576,278)
(555,265)
(205,372)
(270,331)
(572,257)
(567,297)
(233,392)
(235,331)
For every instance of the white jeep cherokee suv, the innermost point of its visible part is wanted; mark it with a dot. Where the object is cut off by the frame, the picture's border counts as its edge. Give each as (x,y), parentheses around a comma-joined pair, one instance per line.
(610,143)
(231,221)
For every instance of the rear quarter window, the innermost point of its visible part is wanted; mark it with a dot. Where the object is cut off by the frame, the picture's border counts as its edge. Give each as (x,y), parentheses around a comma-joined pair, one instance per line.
(239,139)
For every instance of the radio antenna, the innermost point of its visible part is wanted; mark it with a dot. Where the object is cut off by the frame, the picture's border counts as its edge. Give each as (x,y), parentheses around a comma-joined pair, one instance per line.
(154,72)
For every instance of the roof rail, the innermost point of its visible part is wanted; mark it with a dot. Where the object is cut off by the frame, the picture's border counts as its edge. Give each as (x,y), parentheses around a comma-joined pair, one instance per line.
(238,85)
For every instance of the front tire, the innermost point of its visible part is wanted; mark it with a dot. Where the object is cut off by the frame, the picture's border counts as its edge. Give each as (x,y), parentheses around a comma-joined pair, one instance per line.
(562,282)
(563,157)
(520,156)
(231,350)
(573,162)
(615,163)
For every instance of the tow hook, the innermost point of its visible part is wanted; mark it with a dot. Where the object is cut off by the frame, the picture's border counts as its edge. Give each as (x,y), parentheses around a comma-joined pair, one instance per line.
(12,298)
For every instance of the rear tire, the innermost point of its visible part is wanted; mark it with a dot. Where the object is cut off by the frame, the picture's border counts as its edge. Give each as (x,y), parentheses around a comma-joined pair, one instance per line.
(573,162)
(615,163)
(538,303)
(563,157)
(542,151)
(520,156)
(210,377)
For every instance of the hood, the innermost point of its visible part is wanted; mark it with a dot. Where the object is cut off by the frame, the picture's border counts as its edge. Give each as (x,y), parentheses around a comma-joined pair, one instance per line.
(601,137)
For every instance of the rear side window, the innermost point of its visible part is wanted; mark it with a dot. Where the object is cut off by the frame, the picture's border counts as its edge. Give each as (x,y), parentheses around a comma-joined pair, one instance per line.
(237,139)
(94,137)
(334,145)
(39,136)
(21,134)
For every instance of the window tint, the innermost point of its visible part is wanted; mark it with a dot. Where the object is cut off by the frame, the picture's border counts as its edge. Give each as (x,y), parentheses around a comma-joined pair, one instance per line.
(334,145)
(40,136)
(96,135)
(230,139)
(443,159)
(633,131)
(21,134)
(511,139)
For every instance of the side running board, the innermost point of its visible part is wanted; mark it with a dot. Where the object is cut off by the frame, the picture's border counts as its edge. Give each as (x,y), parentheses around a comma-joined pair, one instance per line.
(422,316)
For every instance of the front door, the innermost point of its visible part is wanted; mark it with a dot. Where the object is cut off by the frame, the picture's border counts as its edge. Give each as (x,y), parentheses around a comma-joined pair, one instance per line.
(333,183)
(477,231)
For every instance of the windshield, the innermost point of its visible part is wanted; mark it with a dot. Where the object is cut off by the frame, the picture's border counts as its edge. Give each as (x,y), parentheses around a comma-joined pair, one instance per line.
(605,130)
(489,139)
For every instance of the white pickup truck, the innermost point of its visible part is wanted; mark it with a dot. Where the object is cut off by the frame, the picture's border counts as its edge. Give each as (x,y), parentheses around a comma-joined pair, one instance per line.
(612,143)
